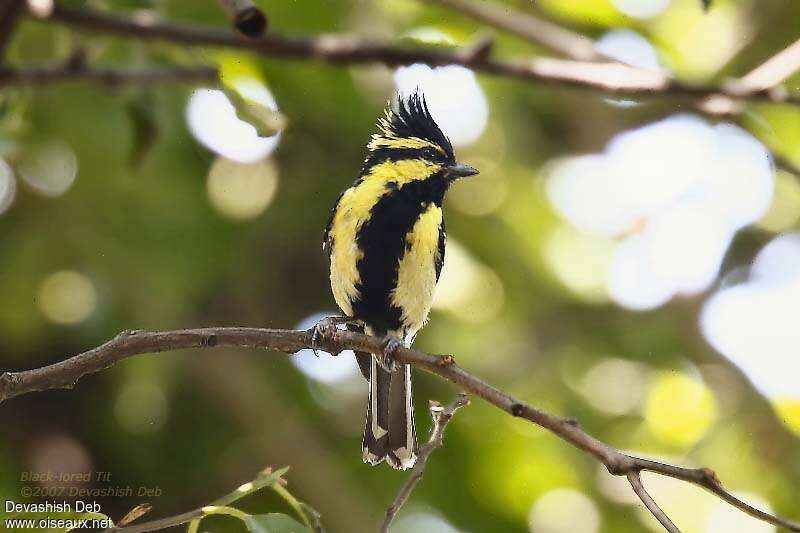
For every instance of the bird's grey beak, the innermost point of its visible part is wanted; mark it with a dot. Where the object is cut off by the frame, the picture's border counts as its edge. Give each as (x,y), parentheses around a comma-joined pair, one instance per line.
(461,171)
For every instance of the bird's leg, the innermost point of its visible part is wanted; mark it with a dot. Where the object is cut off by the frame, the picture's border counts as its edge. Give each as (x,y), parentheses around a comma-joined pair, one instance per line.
(323,328)
(386,358)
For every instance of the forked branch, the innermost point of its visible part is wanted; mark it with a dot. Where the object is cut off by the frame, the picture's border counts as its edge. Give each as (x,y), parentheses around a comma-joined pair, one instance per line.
(635,479)
(65,374)
(441,417)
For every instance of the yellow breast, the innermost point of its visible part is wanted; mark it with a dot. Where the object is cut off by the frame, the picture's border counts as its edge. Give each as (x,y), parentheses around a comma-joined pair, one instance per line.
(352,212)
(416,276)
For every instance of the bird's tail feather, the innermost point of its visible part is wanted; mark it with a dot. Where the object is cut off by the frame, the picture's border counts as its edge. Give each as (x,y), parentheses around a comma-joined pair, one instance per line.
(402,432)
(389,431)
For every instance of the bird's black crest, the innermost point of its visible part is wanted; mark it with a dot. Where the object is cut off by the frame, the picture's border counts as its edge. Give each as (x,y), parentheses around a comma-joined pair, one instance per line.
(412,118)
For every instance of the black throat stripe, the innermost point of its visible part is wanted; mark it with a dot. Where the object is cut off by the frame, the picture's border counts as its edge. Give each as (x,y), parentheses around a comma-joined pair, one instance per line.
(383,241)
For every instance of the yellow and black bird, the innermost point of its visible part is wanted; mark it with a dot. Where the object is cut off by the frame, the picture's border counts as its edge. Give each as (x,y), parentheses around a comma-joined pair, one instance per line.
(385,241)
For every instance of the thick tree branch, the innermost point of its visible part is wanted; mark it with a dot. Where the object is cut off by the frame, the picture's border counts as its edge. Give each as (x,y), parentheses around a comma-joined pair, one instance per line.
(441,417)
(611,78)
(65,374)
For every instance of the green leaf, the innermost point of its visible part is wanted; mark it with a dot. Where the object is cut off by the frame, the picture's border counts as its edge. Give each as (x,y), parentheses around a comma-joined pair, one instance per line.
(263,523)
(274,523)
(706,4)
(309,516)
(314,516)
(218,510)
(265,479)
(265,120)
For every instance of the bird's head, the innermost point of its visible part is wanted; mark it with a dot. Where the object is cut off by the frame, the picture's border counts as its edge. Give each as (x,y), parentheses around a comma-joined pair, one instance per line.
(410,138)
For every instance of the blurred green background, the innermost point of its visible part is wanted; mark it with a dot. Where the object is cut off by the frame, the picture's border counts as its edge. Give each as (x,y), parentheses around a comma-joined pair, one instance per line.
(122,219)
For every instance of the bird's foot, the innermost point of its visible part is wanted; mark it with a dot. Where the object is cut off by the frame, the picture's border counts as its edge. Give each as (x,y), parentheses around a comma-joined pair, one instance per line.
(386,358)
(324,329)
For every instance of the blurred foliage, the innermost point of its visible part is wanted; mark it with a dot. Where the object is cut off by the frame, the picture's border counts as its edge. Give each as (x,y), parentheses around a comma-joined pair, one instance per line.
(141,240)
(255,523)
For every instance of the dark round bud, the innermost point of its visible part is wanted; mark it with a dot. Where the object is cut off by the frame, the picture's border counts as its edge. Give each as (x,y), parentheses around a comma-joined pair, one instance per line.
(251,22)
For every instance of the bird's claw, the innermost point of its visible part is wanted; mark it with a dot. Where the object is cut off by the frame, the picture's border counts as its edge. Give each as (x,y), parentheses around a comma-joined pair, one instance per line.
(323,328)
(385,359)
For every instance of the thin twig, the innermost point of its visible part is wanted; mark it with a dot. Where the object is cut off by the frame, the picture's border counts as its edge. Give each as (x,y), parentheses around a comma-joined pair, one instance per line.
(135,514)
(612,78)
(636,483)
(551,36)
(65,374)
(162,523)
(764,78)
(183,518)
(441,417)
(111,77)
(774,70)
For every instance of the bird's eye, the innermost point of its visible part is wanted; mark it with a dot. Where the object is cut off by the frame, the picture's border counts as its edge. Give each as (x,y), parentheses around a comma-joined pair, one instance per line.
(429,153)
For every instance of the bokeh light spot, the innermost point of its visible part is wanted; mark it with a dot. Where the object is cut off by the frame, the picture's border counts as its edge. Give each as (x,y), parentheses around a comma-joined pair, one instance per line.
(467,289)
(532,465)
(673,217)
(428,522)
(67,297)
(679,410)
(564,511)
(642,9)
(724,518)
(585,278)
(58,452)
(8,186)
(615,386)
(241,191)
(49,168)
(481,195)
(688,29)
(630,48)
(453,95)
(213,121)
(754,322)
